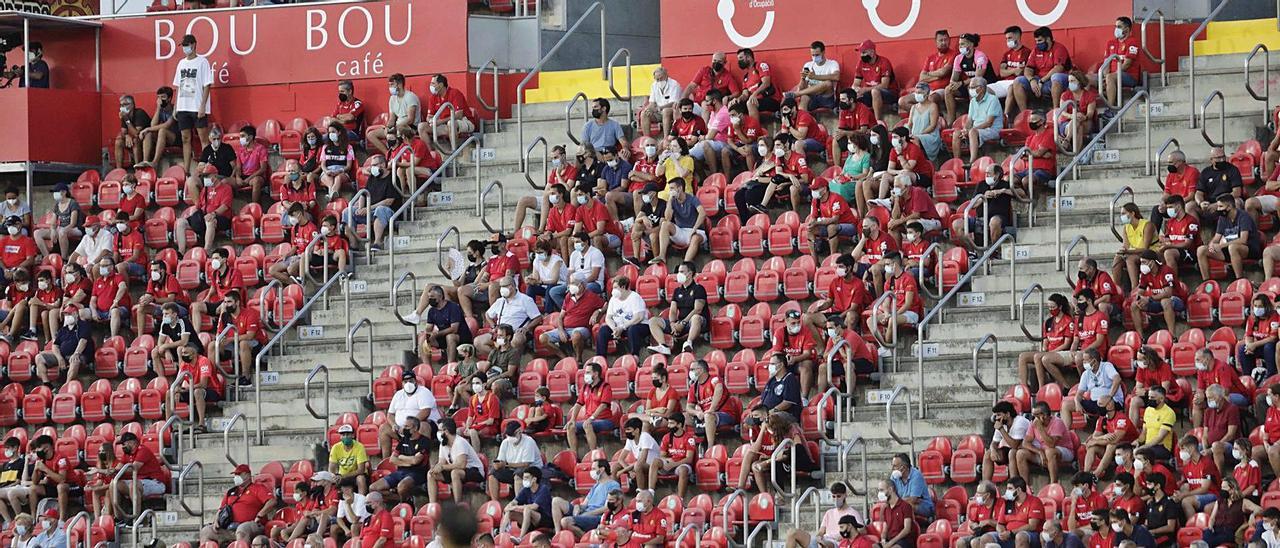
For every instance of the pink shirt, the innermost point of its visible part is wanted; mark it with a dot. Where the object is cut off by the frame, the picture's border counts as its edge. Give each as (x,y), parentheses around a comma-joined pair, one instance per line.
(719,122)
(1056,428)
(251,157)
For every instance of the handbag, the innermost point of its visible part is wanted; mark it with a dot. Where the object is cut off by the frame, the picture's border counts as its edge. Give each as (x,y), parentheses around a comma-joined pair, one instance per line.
(225,520)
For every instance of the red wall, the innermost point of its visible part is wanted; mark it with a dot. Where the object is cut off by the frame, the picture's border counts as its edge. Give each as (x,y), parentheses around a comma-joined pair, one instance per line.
(49,125)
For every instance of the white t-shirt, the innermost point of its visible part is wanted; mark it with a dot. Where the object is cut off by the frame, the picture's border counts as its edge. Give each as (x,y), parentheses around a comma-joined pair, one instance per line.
(524,449)
(399,106)
(189,80)
(827,68)
(93,248)
(581,263)
(646,441)
(514,311)
(622,311)
(663,94)
(550,272)
(461,449)
(1270,540)
(404,405)
(360,511)
(1017,430)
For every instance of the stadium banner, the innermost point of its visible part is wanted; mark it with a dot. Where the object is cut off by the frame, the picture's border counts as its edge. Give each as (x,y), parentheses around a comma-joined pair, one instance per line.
(289,44)
(695,27)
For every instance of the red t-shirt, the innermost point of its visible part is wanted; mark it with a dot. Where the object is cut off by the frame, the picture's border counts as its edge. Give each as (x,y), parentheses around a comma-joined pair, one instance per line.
(661,399)
(561,217)
(816,130)
(501,265)
(1041,141)
(214,197)
(149,466)
(1022,514)
(1183,229)
(903,285)
(1157,376)
(1101,284)
(834,206)
(913,151)
(1261,328)
(919,201)
(702,394)
(692,127)
(915,251)
(130,204)
(1217,421)
(750,129)
(451,95)
(14,295)
(203,370)
(706,80)
(131,247)
(1092,328)
(650,525)
(105,287)
(1126,49)
(844,294)
(875,72)
(355,108)
(16,249)
(593,399)
(380,526)
(1221,374)
(1044,61)
(1249,477)
(51,295)
(895,517)
(678,448)
(793,345)
(1271,425)
(301,235)
(221,284)
(875,248)
(1119,423)
(1160,279)
(751,79)
(1182,184)
(1102,539)
(484,408)
(1057,336)
(938,60)
(1085,505)
(797,165)
(578,310)
(1201,473)
(246,321)
(167,287)
(306,193)
(594,213)
(1015,59)
(859,116)
(1170,485)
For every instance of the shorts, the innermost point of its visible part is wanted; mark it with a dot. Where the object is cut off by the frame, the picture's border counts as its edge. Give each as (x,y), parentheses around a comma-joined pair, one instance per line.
(725,419)
(814,146)
(474,475)
(196,222)
(393,479)
(1205,499)
(1001,88)
(598,425)
(929,225)
(1091,407)
(1128,80)
(210,396)
(1039,175)
(104,316)
(586,523)
(613,240)
(818,102)
(886,97)
(151,488)
(847,230)
(699,152)
(1155,307)
(911,317)
(381,213)
(505,475)
(135,270)
(768,104)
(975,226)
(1046,84)
(554,338)
(988,134)
(187,120)
(683,236)
(1268,202)
(317,262)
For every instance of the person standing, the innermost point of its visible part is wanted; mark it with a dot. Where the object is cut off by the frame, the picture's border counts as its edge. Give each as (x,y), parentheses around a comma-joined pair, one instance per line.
(193,80)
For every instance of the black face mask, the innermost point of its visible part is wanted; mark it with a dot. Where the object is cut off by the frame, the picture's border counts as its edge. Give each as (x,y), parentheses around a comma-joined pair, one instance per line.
(866,232)
(1082,307)
(231,309)
(717,66)
(613,507)
(595,113)
(631,435)
(1171,168)
(392,142)
(188,357)
(657,383)
(743,64)
(432,302)
(845,533)
(582,159)
(686,114)
(1035,125)
(1080,274)
(1095,526)
(342,97)
(866,57)
(1220,164)
(493,249)
(753,421)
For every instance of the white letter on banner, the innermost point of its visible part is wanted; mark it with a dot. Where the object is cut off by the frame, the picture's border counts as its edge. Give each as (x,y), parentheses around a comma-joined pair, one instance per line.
(164,38)
(254,34)
(342,27)
(213,31)
(408,26)
(314,27)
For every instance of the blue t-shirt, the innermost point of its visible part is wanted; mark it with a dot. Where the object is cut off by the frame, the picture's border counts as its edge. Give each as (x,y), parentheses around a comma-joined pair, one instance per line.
(613,176)
(598,496)
(542,498)
(914,486)
(685,213)
(1244,224)
(68,339)
(608,134)
(447,316)
(777,391)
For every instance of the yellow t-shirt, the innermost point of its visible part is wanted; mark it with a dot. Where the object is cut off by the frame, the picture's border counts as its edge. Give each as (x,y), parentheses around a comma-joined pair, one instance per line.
(348,460)
(1155,418)
(669,168)
(1134,234)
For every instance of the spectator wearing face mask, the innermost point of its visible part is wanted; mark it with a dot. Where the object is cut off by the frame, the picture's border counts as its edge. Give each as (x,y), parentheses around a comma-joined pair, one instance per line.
(1236,238)
(313,503)
(1077,121)
(900,530)
(66,228)
(252,166)
(17,293)
(797,350)
(152,481)
(517,453)
(853,127)
(212,214)
(380,204)
(986,119)
(810,135)
(349,110)
(337,159)
(1211,371)
(1084,500)
(220,157)
(1220,178)
(969,62)
(458,463)
(161,292)
(1113,430)
(72,349)
(602,132)
(1222,425)
(130,252)
(1200,478)
(485,412)
(935,73)
(297,189)
(1019,515)
(912,204)
(349,460)
(13,206)
(582,309)
(132,121)
(23,530)
(647,525)
(838,528)
(592,413)
(52,533)
(625,318)
(511,308)
(643,451)
(193,82)
(411,453)
(688,314)
(677,455)
(587,515)
(458,121)
(907,162)
(1043,150)
(410,401)
(247,337)
(203,385)
(416,163)
(830,219)
(404,110)
(309,161)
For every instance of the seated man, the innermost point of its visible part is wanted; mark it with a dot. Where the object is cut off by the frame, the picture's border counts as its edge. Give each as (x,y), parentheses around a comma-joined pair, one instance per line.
(1011,430)
(514,309)
(796,348)
(907,161)
(573,326)
(912,204)
(73,348)
(411,401)
(1019,516)
(518,453)
(152,478)
(531,508)
(625,317)
(203,385)
(688,315)
(161,131)
(935,73)
(904,309)
(1082,502)
(586,516)
(873,79)
(592,413)
(603,132)
(252,168)
(830,219)
(810,135)
(1222,426)
(133,120)
(650,212)
(1211,371)
(678,453)
(682,223)
(708,402)
(1126,46)
(1159,291)
(852,118)
(457,464)
(1099,382)
(586,265)
(838,522)
(818,80)
(162,289)
(349,461)
(411,452)
(382,201)
(109,302)
(1180,236)
(457,122)
(638,455)
(847,296)
(986,119)
(1045,72)
(663,95)
(1117,429)
(250,503)
(908,481)
(1200,477)
(1050,444)
(244,340)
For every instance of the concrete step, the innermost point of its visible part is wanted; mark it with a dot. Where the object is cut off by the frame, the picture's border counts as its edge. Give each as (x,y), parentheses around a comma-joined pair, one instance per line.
(1224,62)
(1239,127)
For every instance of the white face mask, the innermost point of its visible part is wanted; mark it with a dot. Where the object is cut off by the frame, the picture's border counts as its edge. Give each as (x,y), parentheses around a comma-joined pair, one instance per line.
(815,195)
(155,275)
(1237,454)
(1116,527)
(208,182)
(1269,404)
(763,150)
(589,378)
(1073,85)
(435,89)
(616,293)
(896,474)
(477,388)
(1010,494)
(500,341)
(376,171)
(874,138)
(1201,366)
(216,264)
(1171,212)
(735,120)
(188,50)
(779,152)
(964,51)
(612,163)
(43,285)
(554,199)
(1142,364)
(888,270)
(897,191)
(793,329)
(1145,268)
(297,496)
(1259,311)
(897,143)
(1119,460)
(682,278)
(1117,491)
(646,198)
(919,97)
(650,151)
(1184,455)
(104,270)
(13,230)
(1119,32)
(773,369)
(595,474)
(333,138)
(1138,465)
(244,141)
(238,480)
(640,506)
(393,91)
(582,199)
(128,190)
(121,227)
(882,496)
(1124,219)
(1212,404)
(69,277)
(852,149)
(575,289)
(324,230)
(1045,538)
(979,499)
(57,196)
(1013,44)
(410,387)
(1077,492)
(528,484)
(505,291)
(13,202)
(69,321)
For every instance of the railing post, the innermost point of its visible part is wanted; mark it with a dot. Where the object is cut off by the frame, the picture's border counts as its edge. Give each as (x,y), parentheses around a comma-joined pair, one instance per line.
(1022,315)
(364,194)
(1164,76)
(1265,96)
(497,116)
(76,520)
(182,494)
(1066,255)
(137,526)
(994,388)
(306,394)
(568,116)
(395,297)
(910,440)
(546,173)
(453,129)
(1160,155)
(351,350)
(226,438)
(502,217)
(1111,211)
(631,115)
(1222,119)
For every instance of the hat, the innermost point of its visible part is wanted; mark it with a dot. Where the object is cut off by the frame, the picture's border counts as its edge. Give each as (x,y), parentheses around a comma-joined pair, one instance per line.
(346,429)
(866,45)
(209,170)
(651,187)
(127,437)
(92,220)
(60,187)
(13,220)
(324,475)
(851,520)
(408,375)
(70,309)
(818,184)
(241,469)
(373,496)
(793,314)
(51,513)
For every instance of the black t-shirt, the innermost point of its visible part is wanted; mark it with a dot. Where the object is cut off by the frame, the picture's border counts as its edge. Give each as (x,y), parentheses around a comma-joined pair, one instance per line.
(11,471)
(67,339)
(1140,536)
(139,118)
(1001,205)
(380,188)
(409,447)
(445,317)
(1216,182)
(222,158)
(1232,230)
(177,329)
(654,211)
(588,175)
(1159,512)
(686,297)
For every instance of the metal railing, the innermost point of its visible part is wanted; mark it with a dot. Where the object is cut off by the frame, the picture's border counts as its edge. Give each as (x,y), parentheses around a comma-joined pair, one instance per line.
(305,265)
(893,329)
(135,493)
(1160,154)
(994,388)
(76,520)
(1024,152)
(626,53)
(568,116)
(1164,74)
(727,503)
(279,300)
(762,527)
(144,517)
(1265,96)
(934,250)
(278,340)
(226,438)
(537,67)
(1111,211)
(827,396)
(368,212)
(986,220)
(453,129)
(984,263)
(1141,95)
(1022,313)
(191,401)
(831,356)
(684,532)
(1070,105)
(409,200)
(235,354)
(497,117)
(175,432)
(910,440)
(1066,255)
(351,349)
(845,450)
(1102,69)
(182,492)
(784,444)
(809,494)
(1222,118)
(502,216)
(395,301)
(306,393)
(1191,52)
(546,172)
(457,240)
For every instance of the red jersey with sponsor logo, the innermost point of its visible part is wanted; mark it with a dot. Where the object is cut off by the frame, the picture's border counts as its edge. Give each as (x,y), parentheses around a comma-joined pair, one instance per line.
(1021,515)
(592,398)
(167,286)
(938,60)
(915,251)
(1220,374)
(847,293)
(877,247)
(1058,336)
(1261,328)
(912,151)
(1015,59)
(702,394)
(355,108)
(1093,328)
(688,128)
(214,197)
(1119,423)
(919,201)
(1126,48)
(875,73)
(1201,473)
(860,116)
(452,96)
(1085,505)
(748,130)
(751,79)
(202,369)
(902,286)
(816,130)
(1184,229)
(1044,61)
(1101,284)
(562,218)
(833,206)
(1159,280)
(793,345)
(14,250)
(707,80)
(679,447)
(1182,184)
(1248,476)
(105,287)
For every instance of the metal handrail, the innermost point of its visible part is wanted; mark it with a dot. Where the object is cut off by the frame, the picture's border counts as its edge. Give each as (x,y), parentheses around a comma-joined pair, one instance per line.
(168,426)
(910,440)
(845,449)
(1072,124)
(810,493)
(395,300)
(75,520)
(839,412)
(453,129)
(262,301)
(995,365)
(1102,69)
(1222,118)
(496,98)
(457,236)
(226,438)
(474,139)
(502,217)
(986,220)
(764,526)
(1265,97)
(537,67)
(875,320)
(1031,188)
(1164,75)
(1022,315)
(1191,51)
(182,493)
(134,496)
(278,339)
(191,393)
(351,349)
(935,248)
(311,246)
(1160,154)
(306,393)
(1141,94)
(1111,210)
(983,263)
(568,116)
(684,531)
(137,526)
(1066,255)
(393,163)
(841,342)
(631,115)
(368,210)
(785,443)
(235,351)
(727,503)
(524,161)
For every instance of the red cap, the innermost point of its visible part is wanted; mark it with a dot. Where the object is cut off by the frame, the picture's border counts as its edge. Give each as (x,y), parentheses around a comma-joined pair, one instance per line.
(209,170)
(51,513)
(70,309)
(818,184)
(241,469)
(867,45)
(92,220)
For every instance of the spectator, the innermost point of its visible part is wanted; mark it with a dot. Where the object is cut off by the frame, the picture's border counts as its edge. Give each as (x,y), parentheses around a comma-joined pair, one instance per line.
(1043,151)
(349,111)
(709,77)
(309,161)
(602,132)
(17,294)
(934,74)
(782,393)
(586,516)
(907,162)
(663,402)
(811,137)
(1222,424)
(904,309)
(1181,180)
(1237,238)
(66,226)
(638,455)
(799,349)
(1158,290)
(247,337)
(586,265)
(382,200)
(461,121)
(517,453)
(314,502)
(52,532)
(13,206)
(1052,536)
(297,189)
(1180,236)
(403,110)
(1012,67)
(547,270)
(339,250)
(838,527)
(23,531)
(301,232)
(969,63)
(502,367)
(1050,443)
(818,80)
(1269,525)
(162,289)
(926,124)
(771,462)
(1220,178)
(457,463)
(646,526)
(984,124)
(252,167)
(1247,474)
(486,411)
(412,452)
(997,197)
(1260,334)
(682,222)
(1081,505)
(13,478)
(479,281)
(410,401)
(1091,334)
(193,80)
(912,203)
(1077,120)
(830,219)
(417,162)
(873,78)
(1106,294)
(212,214)
(625,316)
(130,254)
(160,131)
(132,121)
(378,529)
(1020,516)
(587,173)
(664,93)
(759,91)
(448,327)
(644,169)
(688,314)
(1152,371)
(72,348)
(900,525)
(709,146)
(595,221)
(522,315)
(853,119)
(1099,382)
(647,223)
(1227,516)
(1124,496)
(95,243)
(1200,476)
(1139,236)
(110,300)
(871,251)
(676,456)
(1109,434)
(708,404)
(1045,72)
(1163,512)
(1210,371)
(44,303)
(791,173)
(1126,46)
(349,461)
(251,504)
(532,505)
(909,484)
(846,297)
(609,189)
(203,386)
(338,160)
(592,413)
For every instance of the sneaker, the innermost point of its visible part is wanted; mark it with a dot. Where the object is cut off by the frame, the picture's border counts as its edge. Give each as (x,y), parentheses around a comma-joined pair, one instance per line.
(29,335)
(296,279)
(413,318)
(244,381)
(635,261)
(375,248)
(885,352)
(655,261)
(661,349)
(688,347)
